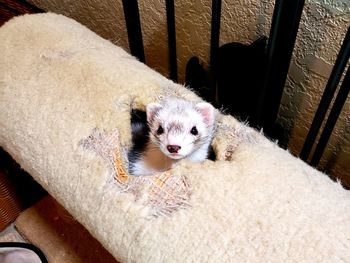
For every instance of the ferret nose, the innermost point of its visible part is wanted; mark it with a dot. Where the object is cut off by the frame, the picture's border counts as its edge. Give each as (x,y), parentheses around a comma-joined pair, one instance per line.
(173,148)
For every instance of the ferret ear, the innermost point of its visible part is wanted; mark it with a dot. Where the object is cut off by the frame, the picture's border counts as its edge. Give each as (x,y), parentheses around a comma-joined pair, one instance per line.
(151,110)
(207,111)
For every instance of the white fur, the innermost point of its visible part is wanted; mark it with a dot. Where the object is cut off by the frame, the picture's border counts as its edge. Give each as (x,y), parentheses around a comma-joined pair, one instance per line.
(187,115)
(139,168)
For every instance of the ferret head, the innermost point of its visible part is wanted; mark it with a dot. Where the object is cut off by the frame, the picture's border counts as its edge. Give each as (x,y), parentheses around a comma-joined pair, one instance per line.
(180,127)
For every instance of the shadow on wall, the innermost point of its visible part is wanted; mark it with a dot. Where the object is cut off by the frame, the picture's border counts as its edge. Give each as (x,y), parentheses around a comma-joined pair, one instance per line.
(338,149)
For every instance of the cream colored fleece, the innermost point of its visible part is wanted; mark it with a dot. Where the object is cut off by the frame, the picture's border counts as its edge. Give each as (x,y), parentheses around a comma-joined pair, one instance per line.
(60,82)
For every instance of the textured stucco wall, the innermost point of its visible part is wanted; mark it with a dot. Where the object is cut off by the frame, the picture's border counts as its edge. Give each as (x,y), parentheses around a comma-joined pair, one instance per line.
(322,29)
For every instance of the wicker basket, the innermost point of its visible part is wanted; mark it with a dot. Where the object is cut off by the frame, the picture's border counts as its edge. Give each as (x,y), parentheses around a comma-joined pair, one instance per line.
(10,205)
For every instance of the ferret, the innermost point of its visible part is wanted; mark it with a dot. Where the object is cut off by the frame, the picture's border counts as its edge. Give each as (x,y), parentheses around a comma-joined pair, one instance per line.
(176,129)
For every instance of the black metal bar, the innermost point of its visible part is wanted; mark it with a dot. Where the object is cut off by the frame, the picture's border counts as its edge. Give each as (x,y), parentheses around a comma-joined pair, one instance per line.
(133,26)
(214,41)
(170,15)
(327,96)
(332,119)
(284,28)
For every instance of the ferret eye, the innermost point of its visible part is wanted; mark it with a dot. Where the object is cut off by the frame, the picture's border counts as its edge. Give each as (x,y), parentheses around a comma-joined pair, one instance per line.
(194,130)
(160,130)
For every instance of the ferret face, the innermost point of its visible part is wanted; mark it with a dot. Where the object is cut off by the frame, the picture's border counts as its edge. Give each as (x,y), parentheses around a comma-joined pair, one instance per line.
(180,127)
